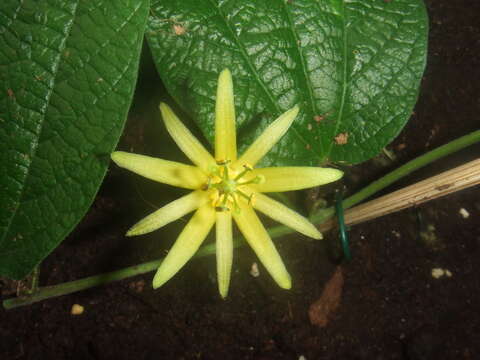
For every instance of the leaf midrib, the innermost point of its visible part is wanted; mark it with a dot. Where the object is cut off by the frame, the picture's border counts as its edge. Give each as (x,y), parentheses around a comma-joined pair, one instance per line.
(255,73)
(344,81)
(35,147)
(303,64)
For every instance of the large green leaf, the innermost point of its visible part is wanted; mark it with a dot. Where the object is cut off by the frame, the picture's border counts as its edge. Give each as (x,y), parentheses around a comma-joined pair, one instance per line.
(67,74)
(354,66)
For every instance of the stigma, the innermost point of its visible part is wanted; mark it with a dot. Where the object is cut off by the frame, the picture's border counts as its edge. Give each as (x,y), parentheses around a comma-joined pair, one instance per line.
(228,186)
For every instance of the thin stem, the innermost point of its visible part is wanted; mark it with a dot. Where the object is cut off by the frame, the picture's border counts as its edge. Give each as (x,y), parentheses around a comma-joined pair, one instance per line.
(34,282)
(277,231)
(47,292)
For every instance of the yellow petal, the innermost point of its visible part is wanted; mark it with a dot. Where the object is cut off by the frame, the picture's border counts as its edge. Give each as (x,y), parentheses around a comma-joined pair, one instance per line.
(225,138)
(268,138)
(224,250)
(185,140)
(285,215)
(164,171)
(258,238)
(278,179)
(186,245)
(170,212)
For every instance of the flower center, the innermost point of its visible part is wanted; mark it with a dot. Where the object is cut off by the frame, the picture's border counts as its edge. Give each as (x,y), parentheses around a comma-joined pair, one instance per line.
(227,184)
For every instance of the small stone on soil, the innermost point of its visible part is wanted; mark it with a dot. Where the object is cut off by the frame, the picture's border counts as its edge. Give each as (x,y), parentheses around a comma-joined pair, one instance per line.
(437,273)
(464,213)
(254,270)
(77,309)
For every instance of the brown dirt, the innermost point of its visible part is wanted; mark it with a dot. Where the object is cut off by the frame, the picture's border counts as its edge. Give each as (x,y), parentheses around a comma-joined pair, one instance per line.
(391,307)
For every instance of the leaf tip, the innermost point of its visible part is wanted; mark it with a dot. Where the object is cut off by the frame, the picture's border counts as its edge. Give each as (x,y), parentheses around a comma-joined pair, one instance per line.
(225,74)
(158,280)
(223,293)
(285,282)
(162,106)
(317,235)
(116,156)
(131,232)
(335,174)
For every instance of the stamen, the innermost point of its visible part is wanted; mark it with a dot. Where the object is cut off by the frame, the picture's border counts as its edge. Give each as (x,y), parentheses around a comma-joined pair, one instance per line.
(227,192)
(225,173)
(214,170)
(223,162)
(224,201)
(242,194)
(247,168)
(235,204)
(207,185)
(255,180)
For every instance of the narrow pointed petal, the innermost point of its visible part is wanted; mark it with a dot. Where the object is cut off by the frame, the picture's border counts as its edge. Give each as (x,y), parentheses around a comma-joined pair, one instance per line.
(268,138)
(170,212)
(258,238)
(185,140)
(279,212)
(186,245)
(225,137)
(164,171)
(277,179)
(224,251)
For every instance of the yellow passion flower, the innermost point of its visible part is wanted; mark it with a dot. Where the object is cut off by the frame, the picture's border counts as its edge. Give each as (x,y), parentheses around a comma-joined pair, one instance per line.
(224,186)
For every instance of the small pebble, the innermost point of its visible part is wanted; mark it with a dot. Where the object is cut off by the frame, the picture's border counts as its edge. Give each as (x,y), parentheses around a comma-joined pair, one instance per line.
(464,213)
(254,270)
(437,273)
(77,309)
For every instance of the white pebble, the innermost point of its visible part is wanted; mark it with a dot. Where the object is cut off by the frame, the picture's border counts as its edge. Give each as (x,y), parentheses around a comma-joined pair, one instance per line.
(464,213)
(77,309)
(254,270)
(437,273)
(396,234)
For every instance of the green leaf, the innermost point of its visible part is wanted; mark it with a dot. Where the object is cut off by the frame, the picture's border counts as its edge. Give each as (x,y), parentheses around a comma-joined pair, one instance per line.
(67,74)
(353,66)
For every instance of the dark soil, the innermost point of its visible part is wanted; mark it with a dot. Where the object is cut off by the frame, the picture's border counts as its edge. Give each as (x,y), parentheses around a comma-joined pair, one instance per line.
(390,307)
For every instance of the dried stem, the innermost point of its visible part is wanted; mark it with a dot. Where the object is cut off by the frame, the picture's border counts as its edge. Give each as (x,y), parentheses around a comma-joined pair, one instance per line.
(453,180)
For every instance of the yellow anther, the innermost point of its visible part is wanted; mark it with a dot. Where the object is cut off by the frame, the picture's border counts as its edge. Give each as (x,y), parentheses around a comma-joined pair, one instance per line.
(223,162)
(214,199)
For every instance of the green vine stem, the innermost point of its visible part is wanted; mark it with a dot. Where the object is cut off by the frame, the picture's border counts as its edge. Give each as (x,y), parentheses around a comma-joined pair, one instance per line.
(399,173)
(47,292)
